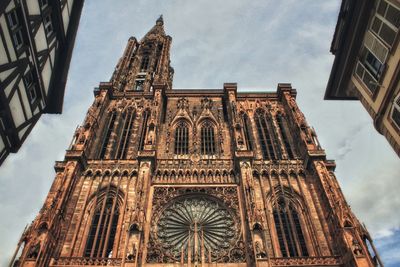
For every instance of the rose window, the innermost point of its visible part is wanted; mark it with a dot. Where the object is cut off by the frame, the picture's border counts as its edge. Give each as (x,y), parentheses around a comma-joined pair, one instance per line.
(196,227)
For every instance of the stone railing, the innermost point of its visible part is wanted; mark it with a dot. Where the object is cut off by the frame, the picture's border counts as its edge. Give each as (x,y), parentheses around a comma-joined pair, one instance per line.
(80,261)
(295,165)
(304,261)
(185,171)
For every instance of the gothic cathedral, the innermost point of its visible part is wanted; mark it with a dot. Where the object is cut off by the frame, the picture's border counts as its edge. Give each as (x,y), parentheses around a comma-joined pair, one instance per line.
(164,177)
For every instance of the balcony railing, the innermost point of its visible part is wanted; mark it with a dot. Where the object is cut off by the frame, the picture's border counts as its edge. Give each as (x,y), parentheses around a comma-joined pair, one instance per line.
(81,261)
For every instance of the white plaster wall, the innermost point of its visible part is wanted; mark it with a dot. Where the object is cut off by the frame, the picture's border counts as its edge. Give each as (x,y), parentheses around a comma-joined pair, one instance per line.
(2,145)
(3,55)
(22,132)
(40,39)
(5,74)
(9,43)
(16,110)
(7,90)
(65,17)
(52,55)
(33,7)
(70,3)
(46,75)
(25,100)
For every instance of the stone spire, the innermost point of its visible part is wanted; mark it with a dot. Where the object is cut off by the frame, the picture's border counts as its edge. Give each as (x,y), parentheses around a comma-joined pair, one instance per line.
(157,30)
(160,20)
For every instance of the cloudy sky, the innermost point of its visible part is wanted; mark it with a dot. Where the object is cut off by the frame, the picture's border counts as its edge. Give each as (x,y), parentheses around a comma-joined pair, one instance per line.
(255,43)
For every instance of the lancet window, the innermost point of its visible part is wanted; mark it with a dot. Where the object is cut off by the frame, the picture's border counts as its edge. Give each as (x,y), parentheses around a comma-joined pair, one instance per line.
(247,131)
(266,135)
(182,138)
(207,139)
(285,137)
(288,229)
(143,131)
(107,136)
(145,63)
(103,226)
(125,136)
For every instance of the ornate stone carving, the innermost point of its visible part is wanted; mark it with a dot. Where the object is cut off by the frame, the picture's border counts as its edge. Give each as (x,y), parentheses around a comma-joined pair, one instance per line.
(77,261)
(182,210)
(306,261)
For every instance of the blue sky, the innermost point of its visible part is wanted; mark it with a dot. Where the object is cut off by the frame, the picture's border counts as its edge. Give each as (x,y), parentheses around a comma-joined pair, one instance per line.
(255,43)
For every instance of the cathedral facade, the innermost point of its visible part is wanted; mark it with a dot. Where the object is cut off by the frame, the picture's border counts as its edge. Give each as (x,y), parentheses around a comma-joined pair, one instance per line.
(162,177)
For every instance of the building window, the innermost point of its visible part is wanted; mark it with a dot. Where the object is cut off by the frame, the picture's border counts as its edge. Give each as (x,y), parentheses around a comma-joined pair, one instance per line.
(373,64)
(109,130)
(48,25)
(30,85)
(265,135)
(102,230)
(386,22)
(129,119)
(145,63)
(288,229)
(247,131)
(15,29)
(143,131)
(377,41)
(207,139)
(285,137)
(18,39)
(139,85)
(396,111)
(372,60)
(182,139)
(13,19)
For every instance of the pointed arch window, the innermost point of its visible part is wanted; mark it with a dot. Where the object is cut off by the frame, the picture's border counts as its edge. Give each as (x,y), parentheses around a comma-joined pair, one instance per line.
(145,63)
(109,129)
(247,131)
(288,229)
(128,121)
(143,131)
(103,227)
(207,139)
(182,138)
(266,136)
(285,137)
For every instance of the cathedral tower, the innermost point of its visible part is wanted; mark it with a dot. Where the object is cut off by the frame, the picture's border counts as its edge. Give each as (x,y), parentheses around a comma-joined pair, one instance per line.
(163,177)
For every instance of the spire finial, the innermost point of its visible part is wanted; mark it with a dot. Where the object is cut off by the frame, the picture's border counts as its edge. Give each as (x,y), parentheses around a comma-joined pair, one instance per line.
(160,20)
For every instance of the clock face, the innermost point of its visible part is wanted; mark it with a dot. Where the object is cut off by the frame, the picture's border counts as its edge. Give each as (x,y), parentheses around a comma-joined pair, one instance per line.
(193,226)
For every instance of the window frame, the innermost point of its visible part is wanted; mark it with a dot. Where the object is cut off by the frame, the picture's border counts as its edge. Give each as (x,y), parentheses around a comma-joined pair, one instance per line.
(48,24)
(16,30)
(128,121)
(107,131)
(181,142)
(145,62)
(102,224)
(207,139)
(31,86)
(289,230)
(267,138)
(247,131)
(395,108)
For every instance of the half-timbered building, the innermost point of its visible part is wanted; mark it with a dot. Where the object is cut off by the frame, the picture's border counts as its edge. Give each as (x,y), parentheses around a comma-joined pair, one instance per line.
(36,42)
